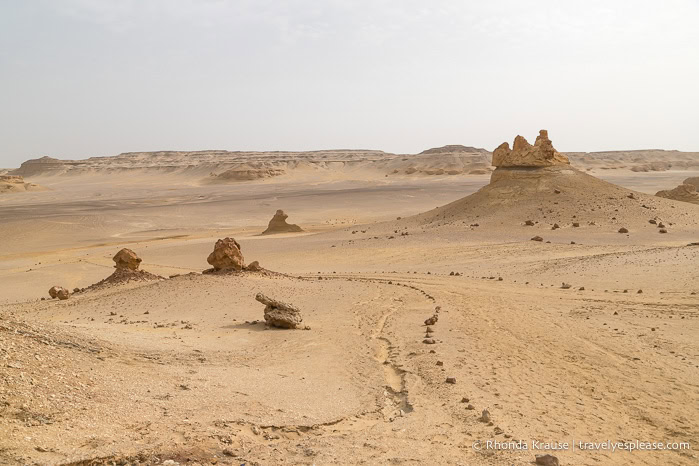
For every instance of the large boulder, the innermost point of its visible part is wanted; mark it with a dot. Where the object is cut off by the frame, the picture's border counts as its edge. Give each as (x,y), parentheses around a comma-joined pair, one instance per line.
(279,314)
(127,259)
(684,192)
(59,292)
(523,154)
(226,255)
(278,225)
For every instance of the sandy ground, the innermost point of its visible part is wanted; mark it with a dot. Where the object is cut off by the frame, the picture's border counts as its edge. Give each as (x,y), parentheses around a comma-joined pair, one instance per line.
(184,369)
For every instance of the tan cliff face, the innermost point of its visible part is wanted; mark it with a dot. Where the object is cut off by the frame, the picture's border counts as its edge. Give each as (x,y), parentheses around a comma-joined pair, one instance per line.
(523,154)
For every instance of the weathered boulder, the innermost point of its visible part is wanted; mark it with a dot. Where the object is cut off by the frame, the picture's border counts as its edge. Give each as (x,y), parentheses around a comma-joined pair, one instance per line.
(126,259)
(280,314)
(59,292)
(278,224)
(226,255)
(523,154)
(684,192)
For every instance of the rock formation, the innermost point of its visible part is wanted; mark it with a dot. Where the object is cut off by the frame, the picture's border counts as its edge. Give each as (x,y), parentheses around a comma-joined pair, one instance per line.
(278,225)
(523,154)
(59,292)
(279,314)
(16,184)
(684,192)
(126,259)
(226,255)
(126,263)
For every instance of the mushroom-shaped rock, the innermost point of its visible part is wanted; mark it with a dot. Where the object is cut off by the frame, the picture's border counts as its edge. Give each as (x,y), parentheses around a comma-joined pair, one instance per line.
(280,314)
(226,255)
(278,225)
(523,154)
(126,259)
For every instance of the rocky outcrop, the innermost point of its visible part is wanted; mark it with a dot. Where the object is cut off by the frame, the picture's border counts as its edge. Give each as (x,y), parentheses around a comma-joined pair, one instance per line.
(523,154)
(16,184)
(278,225)
(684,192)
(126,259)
(226,255)
(279,314)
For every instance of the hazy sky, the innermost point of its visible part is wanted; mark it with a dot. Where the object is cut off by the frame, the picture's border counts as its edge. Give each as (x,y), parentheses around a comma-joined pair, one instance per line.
(81,78)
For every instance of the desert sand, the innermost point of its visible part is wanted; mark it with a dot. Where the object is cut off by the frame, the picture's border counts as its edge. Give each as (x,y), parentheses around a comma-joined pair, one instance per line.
(562,297)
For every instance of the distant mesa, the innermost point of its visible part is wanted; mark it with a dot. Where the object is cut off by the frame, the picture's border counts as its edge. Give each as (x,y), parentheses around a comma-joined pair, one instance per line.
(278,225)
(39,166)
(16,184)
(523,154)
(453,148)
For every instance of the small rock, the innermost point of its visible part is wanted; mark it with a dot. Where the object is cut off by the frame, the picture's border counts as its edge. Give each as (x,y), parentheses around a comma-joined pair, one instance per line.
(470,407)
(485,416)
(537,238)
(429,341)
(623,230)
(254,266)
(451,380)
(546,460)
(529,223)
(440,363)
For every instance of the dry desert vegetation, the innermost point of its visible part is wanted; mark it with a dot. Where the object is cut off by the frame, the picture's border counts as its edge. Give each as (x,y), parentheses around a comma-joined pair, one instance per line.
(350,307)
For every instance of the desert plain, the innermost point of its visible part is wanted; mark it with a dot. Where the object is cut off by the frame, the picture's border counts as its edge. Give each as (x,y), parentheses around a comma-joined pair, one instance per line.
(561,297)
